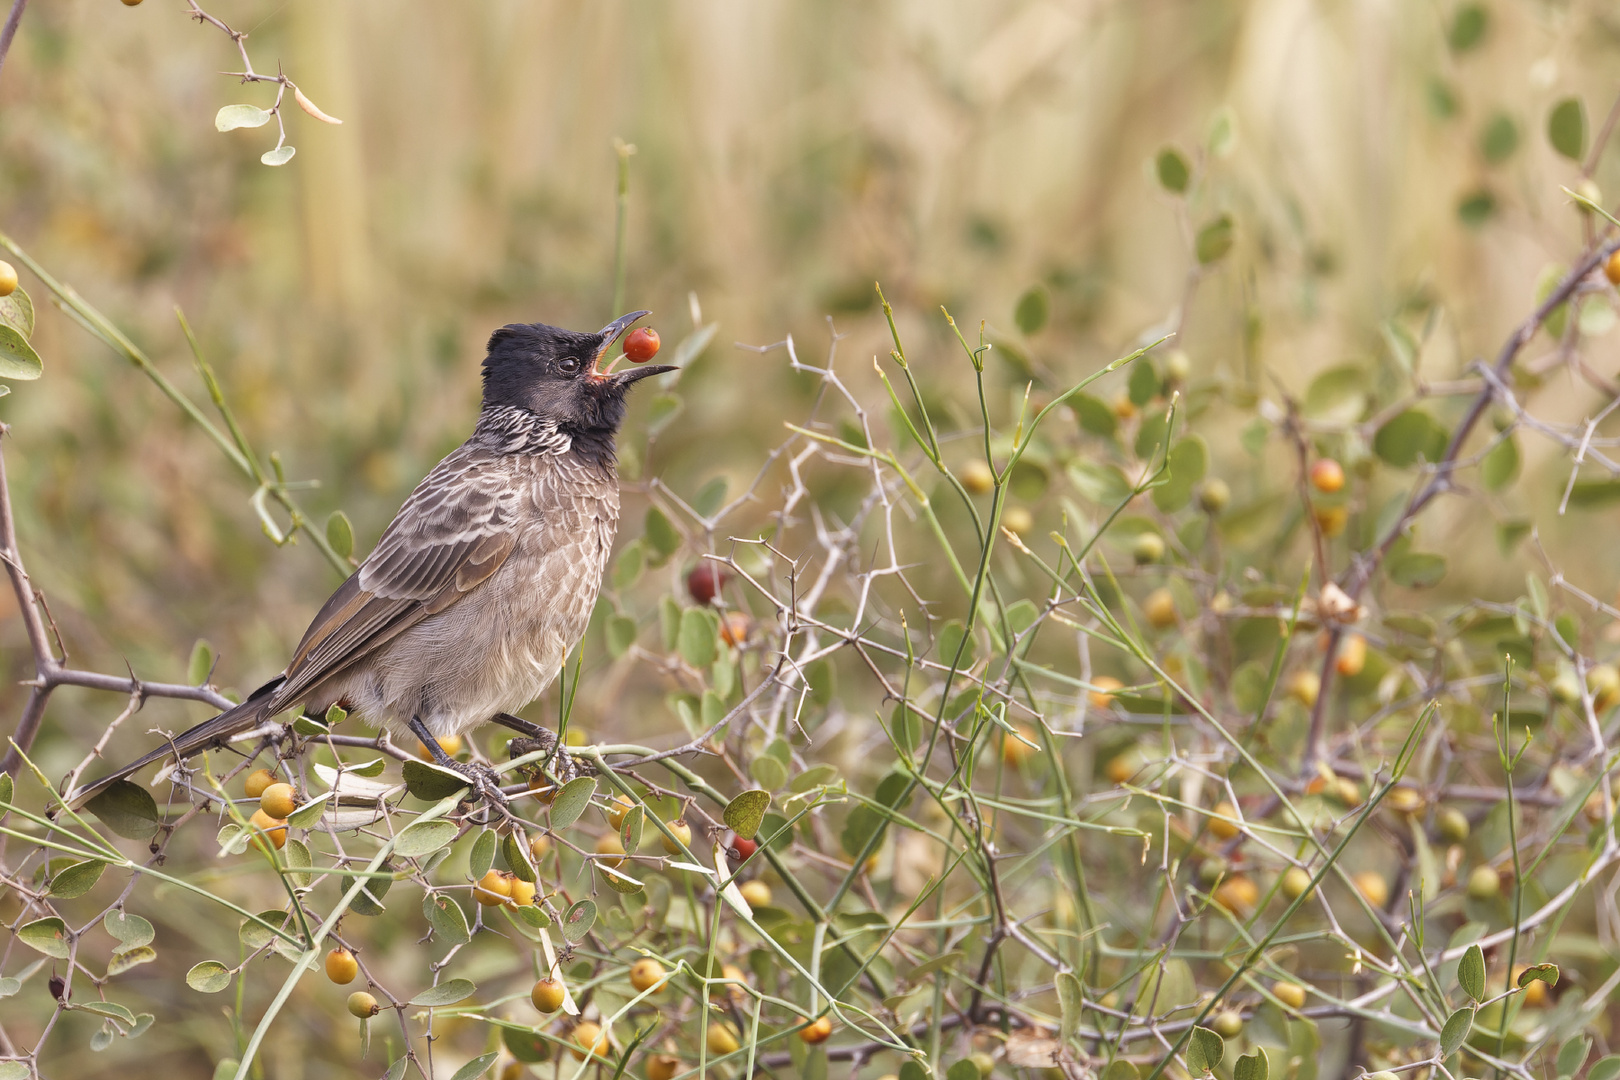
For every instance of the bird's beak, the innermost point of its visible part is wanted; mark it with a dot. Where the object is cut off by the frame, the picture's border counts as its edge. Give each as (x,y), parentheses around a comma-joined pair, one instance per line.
(611,332)
(629,375)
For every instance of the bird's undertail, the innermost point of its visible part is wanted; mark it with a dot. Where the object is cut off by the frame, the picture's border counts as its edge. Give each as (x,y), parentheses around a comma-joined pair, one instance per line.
(206,735)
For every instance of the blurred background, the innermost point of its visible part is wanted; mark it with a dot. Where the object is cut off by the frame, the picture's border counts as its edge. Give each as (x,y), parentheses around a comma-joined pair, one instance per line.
(1385,166)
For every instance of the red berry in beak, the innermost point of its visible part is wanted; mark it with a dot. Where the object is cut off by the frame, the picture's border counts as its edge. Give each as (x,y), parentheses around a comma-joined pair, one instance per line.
(641,345)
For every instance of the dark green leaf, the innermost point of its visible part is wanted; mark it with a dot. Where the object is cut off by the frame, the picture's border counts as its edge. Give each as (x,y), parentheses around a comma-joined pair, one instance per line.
(1456,1030)
(1547,973)
(635,820)
(446,993)
(527,1046)
(1255,1066)
(78,879)
(396,1071)
(1468,27)
(1189,459)
(578,919)
(127,809)
(201,664)
(911,1069)
(1204,1050)
(209,977)
(621,634)
(1476,207)
(476,1067)
(571,801)
(1144,384)
(1120,1069)
(1094,415)
(1214,241)
(962,1070)
(1499,138)
(1099,482)
(1572,1055)
(660,534)
(1471,973)
(746,811)
(1566,128)
(1417,569)
(305,817)
(767,772)
(1605,1068)
(424,838)
(7,789)
(1032,310)
(47,935)
(446,918)
(482,856)
(110,1009)
(1174,172)
(430,782)
(699,641)
(1500,465)
(1592,494)
(1409,437)
(710,497)
(340,534)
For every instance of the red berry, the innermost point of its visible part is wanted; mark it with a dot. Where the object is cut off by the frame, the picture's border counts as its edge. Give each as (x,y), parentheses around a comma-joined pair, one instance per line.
(740,848)
(641,345)
(705,581)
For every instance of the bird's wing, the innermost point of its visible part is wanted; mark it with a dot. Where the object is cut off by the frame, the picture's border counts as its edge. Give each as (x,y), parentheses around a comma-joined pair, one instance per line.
(454,531)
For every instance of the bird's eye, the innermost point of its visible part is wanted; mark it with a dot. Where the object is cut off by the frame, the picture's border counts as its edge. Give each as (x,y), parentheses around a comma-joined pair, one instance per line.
(568,365)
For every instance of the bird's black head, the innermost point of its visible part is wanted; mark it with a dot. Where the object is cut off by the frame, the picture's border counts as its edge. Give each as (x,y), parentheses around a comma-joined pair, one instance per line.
(554,373)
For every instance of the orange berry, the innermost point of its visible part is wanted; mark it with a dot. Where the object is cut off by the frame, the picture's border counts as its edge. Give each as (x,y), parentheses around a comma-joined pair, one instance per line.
(1124,766)
(817,1031)
(341,966)
(1101,695)
(1611,269)
(1352,656)
(1224,823)
(589,1041)
(722,1039)
(1331,519)
(1372,886)
(609,844)
(616,810)
(547,995)
(450,744)
(1017,520)
(646,974)
(1327,476)
(1160,609)
(539,846)
(257,781)
(1237,894)
(1015,751)
(493,889)
(522,893)
(662,1066)
(641,345)
(735,628)
(272,829)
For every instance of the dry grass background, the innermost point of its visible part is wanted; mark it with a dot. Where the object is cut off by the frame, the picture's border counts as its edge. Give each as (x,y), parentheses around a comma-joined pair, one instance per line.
(787,155)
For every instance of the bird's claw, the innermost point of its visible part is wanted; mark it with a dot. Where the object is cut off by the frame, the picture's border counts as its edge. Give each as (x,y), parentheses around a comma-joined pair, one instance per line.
(559,762)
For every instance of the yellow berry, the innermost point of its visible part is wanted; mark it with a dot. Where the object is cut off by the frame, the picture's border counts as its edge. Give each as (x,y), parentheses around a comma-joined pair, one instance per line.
(646,974)
(683,833)
(512,1070)
(1304,687)
(1452,824)
(493,889)
(1224,823)
(1331,519)
(609,844)
(1017,520)
(1372,887)
(817,1031)
(977,477)
(522,893)
(1124,766)
(257,781)
(1228,1023)
(1237,894)
(1014,750)
(1484,883)
(539,846)
(341,966)
(8,278)
(1327,476)
(272,829)
(1289,993)
(757,893)
(722,1039)
(362,1004)
(1296,882)
(1147,548)
(279,800)
(1604,682)
(1405,800)
(547,995)
(733,975)
(616,810)
(1160,609)
(1101,695)
(1214,495)
(450,744)
(1352,656)
(589,1041)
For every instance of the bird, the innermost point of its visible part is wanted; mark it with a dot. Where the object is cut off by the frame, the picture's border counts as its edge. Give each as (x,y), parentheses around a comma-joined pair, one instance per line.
(486,578)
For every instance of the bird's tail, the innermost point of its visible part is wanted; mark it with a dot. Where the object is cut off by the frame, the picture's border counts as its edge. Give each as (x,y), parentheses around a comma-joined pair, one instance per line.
(208,734)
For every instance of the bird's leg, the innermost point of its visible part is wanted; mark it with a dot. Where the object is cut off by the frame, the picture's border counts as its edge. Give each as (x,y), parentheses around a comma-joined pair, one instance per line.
(535,737)
(485,783)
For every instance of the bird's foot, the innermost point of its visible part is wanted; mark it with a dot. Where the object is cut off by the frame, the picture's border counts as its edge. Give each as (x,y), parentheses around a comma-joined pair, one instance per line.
(557,761)
(484,780)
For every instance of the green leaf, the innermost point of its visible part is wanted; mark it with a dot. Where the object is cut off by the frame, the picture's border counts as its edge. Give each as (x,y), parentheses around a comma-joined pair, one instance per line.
(578,920)
(7,789)
(515,850)
(482,856)
(47,935)
(1605,1068)
(1499,138)
(446,918)
(1338,395)
(746,811)
(1120,1069)
(1417,569)
(1032,310)
(78,879)
(699,637)
(660,535)
(446,993)
(396,1071)
(110,1009)
(424,838)
(226,1069)
(1471,973)
(1255,1066)
(1456,1030)
(962,1070)
(1411,436)
(128,810)
(1173,171)
(1189,459)
(911,1069)
(1500,466)
(125,959)
(17,311)
(1476,207)
(621,634)
(1070,1000)
(1572,1055)
(279,156)
(1468,27)
(130,930)
(527,1046)
(662,409)
(635,820)
(430,782)
(201,664)
(1204,1050)
(476,1067)
(18,360)
(13,1070)
(232,117)
(339,533)
(1099,482)
(299,862)
(1094,415)
(571,801)
(1214,241)
(1547,973)
(1144,384)
(208,977)
(306,816)
(1566,128)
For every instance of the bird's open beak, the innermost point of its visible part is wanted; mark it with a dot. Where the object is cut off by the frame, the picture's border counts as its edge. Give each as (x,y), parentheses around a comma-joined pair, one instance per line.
(611,333)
